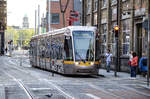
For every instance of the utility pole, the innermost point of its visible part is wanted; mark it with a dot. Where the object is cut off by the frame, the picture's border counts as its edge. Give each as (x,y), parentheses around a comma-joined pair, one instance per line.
(92,14)
(38,19)
(148,72)
(83,12)
(84,9)
(35,21)
(132,25)
(49,14)
(99,16)
(117,38)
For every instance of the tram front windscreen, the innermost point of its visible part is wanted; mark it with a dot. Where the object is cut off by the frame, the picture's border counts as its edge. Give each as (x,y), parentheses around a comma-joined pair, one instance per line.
(83,45)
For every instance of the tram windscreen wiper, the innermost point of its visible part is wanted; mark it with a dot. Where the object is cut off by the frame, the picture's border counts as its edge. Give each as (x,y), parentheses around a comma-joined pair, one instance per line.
(84,60)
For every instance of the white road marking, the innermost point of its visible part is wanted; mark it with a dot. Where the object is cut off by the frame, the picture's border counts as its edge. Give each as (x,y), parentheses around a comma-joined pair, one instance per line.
(140,92)
(20,84)
(93,96)
(54,85)
(40,88)
(17,68)
(101,89)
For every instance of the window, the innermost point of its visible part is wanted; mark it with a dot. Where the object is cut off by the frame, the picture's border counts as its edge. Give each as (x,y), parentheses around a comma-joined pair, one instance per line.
(103,38)
(54,18)
(113,47)
(104,3)
(83,45)
(126,36)
(114,2)
(89,6)
(95,5)
(68,55)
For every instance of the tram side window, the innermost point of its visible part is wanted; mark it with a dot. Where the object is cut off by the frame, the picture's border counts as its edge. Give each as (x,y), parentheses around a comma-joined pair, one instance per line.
(68,56)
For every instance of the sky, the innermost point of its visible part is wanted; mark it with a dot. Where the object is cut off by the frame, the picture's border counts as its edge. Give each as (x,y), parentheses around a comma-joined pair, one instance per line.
(17,9)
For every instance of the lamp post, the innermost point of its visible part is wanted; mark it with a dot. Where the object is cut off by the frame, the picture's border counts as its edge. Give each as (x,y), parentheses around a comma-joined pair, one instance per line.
(35,21)
(49,14)
(38,19)
(148,50)
(116,31)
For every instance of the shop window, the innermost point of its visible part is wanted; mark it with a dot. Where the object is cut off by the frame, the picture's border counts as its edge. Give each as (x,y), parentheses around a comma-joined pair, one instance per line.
(126,36)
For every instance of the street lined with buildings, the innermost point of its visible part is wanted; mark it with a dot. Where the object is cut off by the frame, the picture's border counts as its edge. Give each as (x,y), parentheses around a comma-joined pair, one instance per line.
(26,82)
(67,53)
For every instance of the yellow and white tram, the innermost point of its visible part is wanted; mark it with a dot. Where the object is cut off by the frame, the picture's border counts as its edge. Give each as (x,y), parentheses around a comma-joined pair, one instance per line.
(71,50)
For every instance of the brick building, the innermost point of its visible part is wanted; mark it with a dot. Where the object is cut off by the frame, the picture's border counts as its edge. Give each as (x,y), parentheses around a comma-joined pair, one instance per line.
(132,14)
(3,22)
(56,15)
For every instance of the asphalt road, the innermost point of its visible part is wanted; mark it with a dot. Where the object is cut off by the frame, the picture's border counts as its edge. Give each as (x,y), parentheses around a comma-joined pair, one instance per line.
(26,82)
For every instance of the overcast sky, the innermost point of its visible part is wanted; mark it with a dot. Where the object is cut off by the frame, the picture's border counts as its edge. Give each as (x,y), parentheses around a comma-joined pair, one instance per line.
(17,9)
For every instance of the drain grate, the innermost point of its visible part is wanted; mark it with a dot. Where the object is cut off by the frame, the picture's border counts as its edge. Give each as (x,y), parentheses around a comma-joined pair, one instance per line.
(15,92)
(43,91)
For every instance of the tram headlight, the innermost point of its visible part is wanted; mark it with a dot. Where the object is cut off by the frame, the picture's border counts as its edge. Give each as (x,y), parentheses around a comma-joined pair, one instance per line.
(92,63)
(76,63)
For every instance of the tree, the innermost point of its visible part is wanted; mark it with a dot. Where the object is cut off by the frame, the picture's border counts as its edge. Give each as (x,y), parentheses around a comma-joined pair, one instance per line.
(20,37)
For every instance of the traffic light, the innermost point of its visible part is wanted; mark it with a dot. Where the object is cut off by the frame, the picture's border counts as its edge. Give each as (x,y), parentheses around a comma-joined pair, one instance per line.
(116,31)
(70,21)
(74,13)
(73,17)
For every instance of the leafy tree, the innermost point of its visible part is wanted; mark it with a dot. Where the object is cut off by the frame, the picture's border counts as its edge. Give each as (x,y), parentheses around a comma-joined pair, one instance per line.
(20,35)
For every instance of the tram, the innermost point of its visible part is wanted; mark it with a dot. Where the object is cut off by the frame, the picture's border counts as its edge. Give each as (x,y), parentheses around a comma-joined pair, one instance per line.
(72,50)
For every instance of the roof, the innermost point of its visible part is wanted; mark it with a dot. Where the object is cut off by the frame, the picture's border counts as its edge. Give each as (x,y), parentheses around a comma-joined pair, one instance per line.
(70,28)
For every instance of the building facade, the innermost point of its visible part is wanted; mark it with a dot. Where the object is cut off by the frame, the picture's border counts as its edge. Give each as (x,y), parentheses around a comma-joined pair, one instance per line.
(25,24)
(3,23)
(57,16)
(131,17)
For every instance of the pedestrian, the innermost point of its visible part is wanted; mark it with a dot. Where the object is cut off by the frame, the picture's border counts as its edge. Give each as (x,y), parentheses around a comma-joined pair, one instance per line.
(130,58)
(6,50)
(108,60)
(143,65)
(134,64)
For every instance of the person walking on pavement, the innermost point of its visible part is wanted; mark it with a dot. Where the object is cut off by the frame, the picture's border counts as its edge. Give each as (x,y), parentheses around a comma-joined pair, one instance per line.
(143,65)
(6,50)
(108,60)
(134,64)
(130,58)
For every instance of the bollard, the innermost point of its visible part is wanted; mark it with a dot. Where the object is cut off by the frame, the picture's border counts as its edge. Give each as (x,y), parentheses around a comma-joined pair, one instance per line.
(52,74)
(21,61)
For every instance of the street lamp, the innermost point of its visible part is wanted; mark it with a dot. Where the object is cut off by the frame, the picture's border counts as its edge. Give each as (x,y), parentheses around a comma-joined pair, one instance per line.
(116,31)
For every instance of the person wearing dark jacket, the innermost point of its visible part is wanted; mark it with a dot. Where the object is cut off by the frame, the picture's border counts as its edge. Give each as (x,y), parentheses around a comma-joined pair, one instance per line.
(143,65)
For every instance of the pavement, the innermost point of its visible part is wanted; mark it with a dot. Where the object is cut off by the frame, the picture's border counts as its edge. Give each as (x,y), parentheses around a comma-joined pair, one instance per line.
(123,76)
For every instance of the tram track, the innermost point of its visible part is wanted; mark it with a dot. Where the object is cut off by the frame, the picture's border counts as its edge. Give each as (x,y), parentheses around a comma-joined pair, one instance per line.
(27,90)
(20,83)
(22,86)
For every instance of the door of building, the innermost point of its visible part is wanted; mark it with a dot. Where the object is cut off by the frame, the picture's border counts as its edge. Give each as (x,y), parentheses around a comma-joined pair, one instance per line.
(139,39)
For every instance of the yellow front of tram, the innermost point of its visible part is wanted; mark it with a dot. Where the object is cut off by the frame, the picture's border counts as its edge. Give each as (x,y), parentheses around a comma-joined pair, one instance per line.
(84,52)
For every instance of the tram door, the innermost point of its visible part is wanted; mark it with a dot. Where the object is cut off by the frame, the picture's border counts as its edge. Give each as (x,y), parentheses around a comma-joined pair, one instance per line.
(139,39)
